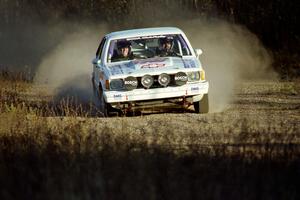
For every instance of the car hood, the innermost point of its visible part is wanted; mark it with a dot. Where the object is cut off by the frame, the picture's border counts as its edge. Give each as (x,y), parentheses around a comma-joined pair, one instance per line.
(153,66)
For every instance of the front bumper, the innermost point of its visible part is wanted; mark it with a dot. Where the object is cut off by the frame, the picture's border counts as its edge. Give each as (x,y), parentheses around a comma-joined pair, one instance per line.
(190,89)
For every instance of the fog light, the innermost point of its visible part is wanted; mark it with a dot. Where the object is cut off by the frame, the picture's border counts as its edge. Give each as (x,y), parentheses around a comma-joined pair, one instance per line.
(130,83)
(180,78)
(164,79)
(147,81)
(202,75)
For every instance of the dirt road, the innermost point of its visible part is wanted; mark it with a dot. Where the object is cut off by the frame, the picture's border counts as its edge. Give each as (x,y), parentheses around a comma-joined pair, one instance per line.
(259,113)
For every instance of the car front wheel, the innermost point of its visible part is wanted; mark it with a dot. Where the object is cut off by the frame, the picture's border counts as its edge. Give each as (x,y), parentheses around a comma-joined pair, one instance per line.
(99,101)
(202,106)
(104,107)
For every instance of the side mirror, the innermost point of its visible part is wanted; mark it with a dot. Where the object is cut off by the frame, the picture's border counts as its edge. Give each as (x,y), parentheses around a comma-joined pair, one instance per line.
(198,52)
(96,61)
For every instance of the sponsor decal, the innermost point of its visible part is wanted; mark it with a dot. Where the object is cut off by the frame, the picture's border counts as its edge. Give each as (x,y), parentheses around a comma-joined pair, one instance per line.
(131,83)
(180,78)
(122,68)
(195,88)
(151,60)
(130,65)
(116,69)
(189,64)
(151,63)
(117,96)
(147,37)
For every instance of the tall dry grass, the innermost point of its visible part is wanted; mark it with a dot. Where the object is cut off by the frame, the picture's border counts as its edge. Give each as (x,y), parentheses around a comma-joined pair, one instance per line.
(50,154)
(74,159)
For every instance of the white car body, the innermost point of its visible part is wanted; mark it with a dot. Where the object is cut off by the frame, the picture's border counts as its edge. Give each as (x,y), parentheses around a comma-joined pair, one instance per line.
(104,70)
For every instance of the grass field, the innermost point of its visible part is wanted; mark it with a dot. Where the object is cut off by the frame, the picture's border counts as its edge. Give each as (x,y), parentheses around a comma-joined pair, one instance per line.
(58,150)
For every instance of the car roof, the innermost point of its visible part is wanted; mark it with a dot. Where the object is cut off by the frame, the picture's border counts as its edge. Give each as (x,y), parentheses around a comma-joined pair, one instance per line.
(143,32)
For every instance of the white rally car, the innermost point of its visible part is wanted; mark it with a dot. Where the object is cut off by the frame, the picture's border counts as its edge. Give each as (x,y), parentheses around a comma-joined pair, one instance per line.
(145,76)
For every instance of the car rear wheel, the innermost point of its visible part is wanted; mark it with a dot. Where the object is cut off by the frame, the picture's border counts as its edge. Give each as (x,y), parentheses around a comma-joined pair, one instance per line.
(202,106)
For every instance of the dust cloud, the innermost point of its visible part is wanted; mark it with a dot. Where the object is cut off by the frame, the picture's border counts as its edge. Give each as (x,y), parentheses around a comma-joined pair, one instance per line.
(232,54)
(67,69)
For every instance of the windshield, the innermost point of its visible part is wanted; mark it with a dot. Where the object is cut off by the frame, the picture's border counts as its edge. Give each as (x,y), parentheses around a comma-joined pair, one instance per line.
(148,47)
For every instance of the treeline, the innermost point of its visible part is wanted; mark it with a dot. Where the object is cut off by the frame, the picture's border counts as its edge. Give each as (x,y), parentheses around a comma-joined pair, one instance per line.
(275,22)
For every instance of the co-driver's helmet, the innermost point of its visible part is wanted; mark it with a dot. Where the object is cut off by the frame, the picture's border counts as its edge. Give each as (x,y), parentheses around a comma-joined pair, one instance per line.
(167,39)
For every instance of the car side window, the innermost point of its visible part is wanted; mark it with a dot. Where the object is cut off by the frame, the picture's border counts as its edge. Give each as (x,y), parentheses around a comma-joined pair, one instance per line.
(100,48)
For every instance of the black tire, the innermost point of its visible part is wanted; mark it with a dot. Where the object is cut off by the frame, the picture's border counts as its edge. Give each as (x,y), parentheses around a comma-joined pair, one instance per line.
(95,99)
(100,102)
(202,106)
(104,107)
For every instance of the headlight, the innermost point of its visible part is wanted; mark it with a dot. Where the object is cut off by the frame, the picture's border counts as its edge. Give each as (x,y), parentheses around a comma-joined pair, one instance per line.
(194,76)
(180,78)
(116,84)
(130,83)
(164,79)
(147,81)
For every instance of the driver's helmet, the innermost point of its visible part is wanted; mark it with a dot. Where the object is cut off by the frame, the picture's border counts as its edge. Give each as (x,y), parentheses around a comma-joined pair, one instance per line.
(123,44)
